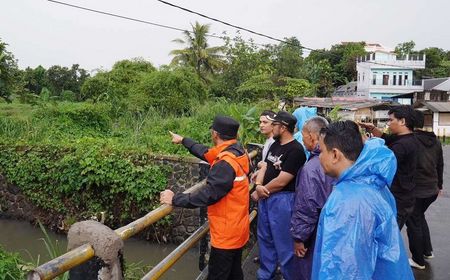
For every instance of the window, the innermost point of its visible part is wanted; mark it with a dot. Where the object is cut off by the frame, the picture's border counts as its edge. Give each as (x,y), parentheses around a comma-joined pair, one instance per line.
(400,79)
(444,118)
(406,79)
(394,80)
(428,120)
(385,80)
(374,79)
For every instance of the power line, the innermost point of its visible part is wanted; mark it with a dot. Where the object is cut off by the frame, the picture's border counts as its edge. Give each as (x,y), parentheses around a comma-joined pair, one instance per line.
(232,25)
(128,18)
(140,20)
(264,35)
(209,35)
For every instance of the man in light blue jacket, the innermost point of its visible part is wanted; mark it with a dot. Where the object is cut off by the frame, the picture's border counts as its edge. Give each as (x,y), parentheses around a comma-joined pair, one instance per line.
(358,235)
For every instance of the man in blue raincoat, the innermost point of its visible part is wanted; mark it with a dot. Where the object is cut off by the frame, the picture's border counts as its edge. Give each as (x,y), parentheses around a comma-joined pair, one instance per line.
(311,192)
(358,235)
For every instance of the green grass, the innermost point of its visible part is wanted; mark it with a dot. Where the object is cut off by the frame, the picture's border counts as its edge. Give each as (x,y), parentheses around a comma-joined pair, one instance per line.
(11,266)
(17,111)
(66,123)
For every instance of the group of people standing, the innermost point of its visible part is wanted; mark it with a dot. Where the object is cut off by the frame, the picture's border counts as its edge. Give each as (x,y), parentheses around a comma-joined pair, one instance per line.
(331,203)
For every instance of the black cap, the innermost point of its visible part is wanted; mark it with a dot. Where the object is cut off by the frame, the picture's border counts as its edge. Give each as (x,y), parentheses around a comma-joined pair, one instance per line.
(225,126)
(286,119)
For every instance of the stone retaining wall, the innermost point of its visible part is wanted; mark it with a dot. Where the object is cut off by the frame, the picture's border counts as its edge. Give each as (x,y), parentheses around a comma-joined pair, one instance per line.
(186,173)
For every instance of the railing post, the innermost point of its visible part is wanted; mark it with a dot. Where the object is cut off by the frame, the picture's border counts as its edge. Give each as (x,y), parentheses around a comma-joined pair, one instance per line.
(108,261)
(203,244)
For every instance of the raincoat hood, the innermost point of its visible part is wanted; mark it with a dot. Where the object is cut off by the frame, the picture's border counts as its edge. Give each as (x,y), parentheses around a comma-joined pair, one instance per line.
(303,114)
(376,165)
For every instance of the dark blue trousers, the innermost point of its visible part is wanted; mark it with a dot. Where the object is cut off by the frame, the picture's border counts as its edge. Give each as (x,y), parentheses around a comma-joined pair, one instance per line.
(276,246)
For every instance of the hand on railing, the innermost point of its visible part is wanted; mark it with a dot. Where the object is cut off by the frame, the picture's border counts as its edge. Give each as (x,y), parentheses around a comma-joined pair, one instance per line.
(166,197)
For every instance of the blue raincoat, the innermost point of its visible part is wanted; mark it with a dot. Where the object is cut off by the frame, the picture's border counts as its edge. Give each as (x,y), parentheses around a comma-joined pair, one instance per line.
(303,114)
(358,235)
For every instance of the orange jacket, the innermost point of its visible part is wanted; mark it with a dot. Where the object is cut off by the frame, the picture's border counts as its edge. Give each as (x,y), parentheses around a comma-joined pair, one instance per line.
(229,217)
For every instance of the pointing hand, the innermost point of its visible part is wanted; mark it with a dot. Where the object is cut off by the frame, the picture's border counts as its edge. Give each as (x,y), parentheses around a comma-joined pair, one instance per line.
(176,139)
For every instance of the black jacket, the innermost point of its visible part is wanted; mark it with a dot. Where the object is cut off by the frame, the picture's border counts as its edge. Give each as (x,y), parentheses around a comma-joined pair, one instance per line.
(405,148)
(219,182)
(430,165)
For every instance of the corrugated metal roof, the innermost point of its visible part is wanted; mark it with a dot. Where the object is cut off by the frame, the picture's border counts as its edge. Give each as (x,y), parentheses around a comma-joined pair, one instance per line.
(443,107)
(445,86)
(351,104)
(430,84)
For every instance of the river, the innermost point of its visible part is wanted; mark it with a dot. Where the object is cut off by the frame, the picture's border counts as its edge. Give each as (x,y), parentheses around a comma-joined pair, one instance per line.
(23,238)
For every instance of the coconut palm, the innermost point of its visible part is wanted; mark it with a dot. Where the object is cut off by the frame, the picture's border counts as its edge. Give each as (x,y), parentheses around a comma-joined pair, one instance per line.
(206,60)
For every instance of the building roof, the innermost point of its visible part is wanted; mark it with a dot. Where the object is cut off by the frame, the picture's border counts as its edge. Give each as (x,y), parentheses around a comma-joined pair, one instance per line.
(404,95)
(351,104)
(445,86)
(349,88)
(441,84)
(376,47)
(442,107)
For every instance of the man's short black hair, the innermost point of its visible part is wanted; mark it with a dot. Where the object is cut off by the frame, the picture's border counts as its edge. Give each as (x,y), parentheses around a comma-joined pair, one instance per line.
(344,136)
(268,113)
(404,112)
(419,119)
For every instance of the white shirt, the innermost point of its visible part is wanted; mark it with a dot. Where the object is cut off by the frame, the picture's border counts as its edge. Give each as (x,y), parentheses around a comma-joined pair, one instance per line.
(267,144)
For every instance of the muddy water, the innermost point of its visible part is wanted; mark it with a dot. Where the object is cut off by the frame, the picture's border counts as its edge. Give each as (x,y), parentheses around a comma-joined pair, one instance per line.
(23,238)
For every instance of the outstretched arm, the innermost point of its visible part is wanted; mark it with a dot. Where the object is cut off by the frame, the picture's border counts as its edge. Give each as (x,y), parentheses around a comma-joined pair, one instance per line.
(196,149)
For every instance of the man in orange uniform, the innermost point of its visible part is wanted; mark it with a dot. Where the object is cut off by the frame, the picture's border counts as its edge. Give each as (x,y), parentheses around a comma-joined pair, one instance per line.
(226,194)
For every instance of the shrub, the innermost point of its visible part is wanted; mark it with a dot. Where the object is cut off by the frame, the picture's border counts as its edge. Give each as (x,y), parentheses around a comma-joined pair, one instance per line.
(171,92)
(10,266)
(85,178)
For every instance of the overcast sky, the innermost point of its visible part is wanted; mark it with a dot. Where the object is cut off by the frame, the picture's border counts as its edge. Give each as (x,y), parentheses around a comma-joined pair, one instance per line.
(41,32)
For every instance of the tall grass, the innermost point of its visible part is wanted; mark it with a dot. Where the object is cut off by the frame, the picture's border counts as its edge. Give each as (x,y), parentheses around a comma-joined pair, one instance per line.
(64,123)
(54,250)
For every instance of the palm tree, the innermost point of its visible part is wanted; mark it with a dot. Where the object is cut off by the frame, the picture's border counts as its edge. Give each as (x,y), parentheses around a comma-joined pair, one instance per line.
(204,59)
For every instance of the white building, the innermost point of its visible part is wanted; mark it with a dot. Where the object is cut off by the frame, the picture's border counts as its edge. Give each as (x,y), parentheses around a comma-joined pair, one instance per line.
(382,74)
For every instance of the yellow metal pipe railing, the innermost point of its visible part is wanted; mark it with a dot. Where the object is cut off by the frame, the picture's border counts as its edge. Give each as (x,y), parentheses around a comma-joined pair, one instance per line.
(85,252)
(164,265)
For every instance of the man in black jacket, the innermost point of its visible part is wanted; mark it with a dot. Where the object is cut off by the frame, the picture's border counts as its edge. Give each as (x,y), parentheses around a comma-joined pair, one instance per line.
(428,180)
(404,145)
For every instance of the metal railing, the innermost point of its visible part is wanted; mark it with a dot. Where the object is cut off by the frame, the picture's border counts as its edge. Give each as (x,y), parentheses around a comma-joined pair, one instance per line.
(83,253)
(178,252)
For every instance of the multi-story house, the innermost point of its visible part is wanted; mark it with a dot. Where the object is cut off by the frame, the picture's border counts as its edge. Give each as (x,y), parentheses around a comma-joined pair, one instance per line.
(382,74)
